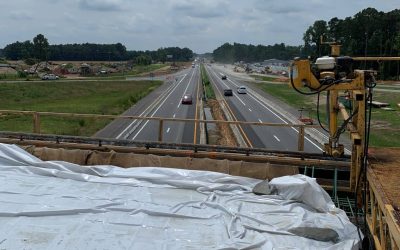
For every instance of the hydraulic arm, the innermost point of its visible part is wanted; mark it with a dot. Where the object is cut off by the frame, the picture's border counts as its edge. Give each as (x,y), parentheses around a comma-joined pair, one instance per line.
(333,75)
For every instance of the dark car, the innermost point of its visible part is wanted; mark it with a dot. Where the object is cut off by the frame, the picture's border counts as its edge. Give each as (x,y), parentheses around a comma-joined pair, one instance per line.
(223,77)
(228,92)
(187,99)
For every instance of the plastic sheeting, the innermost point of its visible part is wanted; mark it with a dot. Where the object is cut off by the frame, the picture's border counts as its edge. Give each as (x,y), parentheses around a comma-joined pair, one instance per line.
(59,205)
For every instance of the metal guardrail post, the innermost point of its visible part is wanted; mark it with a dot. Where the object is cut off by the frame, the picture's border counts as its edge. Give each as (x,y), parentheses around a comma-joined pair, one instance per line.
(334,191)
(36,123)
(301,139)
(196,125)
(160,130)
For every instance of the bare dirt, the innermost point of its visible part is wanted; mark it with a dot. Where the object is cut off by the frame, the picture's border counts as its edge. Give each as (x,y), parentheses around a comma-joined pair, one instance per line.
(385,166)
(226,137)
(8,71)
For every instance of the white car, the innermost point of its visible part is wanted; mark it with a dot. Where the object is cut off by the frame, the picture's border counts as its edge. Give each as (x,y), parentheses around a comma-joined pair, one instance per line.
(50,77)
(242,90)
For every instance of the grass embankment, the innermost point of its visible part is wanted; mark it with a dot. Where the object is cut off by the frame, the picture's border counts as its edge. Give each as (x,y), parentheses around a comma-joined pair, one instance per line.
(140,69)
(136,70)
(18,77)
(264,78)
(209,92)
(384,125)
(94,97)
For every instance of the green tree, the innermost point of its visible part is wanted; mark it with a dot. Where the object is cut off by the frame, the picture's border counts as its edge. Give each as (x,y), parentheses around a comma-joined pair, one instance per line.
(143,60)
(313,35)
(40,46)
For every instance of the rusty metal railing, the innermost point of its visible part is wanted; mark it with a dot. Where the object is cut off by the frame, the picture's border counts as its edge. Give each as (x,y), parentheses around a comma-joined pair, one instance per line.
(36,121)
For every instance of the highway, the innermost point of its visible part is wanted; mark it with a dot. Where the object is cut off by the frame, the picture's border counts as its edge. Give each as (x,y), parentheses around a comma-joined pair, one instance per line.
(252,107)
(165,101)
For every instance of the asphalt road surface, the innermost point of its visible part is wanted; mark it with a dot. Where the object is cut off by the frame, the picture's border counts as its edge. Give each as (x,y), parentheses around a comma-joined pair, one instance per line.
(251,107)
(164,102)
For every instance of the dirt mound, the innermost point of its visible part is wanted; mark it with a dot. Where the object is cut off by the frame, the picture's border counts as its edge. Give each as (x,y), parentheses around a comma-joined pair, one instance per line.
(385,165)
(227,137)
(8,71)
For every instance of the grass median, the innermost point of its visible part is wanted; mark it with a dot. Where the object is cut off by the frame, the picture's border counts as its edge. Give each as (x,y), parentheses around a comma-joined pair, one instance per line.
(209,92)
(385,124)
(85,97)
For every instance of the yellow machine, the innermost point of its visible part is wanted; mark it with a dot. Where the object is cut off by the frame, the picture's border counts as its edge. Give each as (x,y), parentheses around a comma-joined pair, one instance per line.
(334,74)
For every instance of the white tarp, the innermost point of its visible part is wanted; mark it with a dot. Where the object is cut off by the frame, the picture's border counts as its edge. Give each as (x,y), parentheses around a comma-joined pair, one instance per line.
(59,205)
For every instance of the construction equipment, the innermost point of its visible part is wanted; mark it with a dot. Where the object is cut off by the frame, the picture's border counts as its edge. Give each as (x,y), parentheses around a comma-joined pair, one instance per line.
(334,75)
(305,119)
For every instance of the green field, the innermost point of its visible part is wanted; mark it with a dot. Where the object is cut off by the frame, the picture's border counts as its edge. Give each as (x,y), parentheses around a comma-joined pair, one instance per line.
(385,125)
(90,97)
(136,70)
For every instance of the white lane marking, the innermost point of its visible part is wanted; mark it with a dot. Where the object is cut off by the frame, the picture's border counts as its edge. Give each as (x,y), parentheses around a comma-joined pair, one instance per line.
(157,109)
(250,110)
(276,138)
(260,120)
(142,114)
(174,116)
(219,80)
(279,117)
(168,130)
(240,100)
(184,92)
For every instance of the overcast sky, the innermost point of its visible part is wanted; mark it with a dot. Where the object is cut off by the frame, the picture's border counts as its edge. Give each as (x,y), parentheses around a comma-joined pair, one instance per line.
(201,25)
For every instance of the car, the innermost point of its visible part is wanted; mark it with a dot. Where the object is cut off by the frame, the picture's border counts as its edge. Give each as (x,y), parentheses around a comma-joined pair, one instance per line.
(50,77)
(242,90)
(187,99)
(228,92)
(223,77)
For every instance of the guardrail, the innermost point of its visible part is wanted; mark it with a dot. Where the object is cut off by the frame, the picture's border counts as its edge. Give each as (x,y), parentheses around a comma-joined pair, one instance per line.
(36,120)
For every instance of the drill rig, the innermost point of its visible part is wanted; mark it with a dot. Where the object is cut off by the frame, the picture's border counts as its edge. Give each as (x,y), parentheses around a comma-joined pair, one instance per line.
(334,74)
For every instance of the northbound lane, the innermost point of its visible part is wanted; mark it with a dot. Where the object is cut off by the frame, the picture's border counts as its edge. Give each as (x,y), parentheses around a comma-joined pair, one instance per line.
(251,107)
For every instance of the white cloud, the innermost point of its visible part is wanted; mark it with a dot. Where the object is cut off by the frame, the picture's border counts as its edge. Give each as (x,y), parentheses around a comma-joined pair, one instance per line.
(102,5)
(20,15)
(150,24)
(201,9)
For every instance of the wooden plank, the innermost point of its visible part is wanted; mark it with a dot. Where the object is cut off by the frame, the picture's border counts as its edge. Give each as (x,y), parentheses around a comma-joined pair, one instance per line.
(393,224)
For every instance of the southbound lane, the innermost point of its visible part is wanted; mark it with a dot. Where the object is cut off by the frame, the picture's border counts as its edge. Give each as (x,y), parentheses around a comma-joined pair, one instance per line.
(170,106)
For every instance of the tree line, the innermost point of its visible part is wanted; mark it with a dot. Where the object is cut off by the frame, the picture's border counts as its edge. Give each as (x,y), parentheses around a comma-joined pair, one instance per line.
(230,53)
(41,50)
(367,33)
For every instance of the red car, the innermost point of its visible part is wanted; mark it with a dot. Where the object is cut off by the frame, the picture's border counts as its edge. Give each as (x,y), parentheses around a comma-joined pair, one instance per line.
(187,99)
